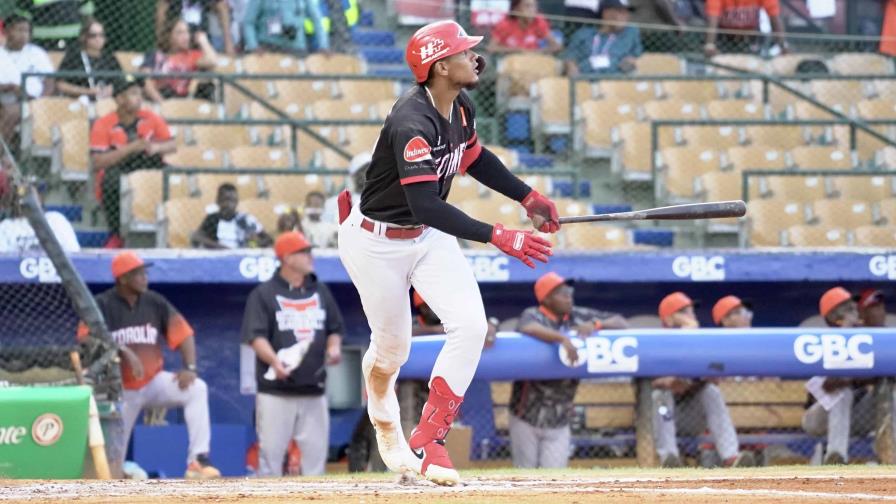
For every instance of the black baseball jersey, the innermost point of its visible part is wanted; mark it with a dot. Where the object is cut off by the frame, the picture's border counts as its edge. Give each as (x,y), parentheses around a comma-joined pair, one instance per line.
(287,317)
(418,144)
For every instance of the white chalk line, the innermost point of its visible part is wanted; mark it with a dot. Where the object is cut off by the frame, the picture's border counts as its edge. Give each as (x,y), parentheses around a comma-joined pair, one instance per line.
(758,492)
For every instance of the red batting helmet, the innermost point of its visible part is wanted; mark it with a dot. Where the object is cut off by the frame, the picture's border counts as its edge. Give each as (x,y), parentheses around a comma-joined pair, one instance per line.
(433,42)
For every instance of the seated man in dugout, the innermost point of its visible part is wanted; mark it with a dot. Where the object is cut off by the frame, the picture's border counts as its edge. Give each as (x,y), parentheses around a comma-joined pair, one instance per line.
(690,406)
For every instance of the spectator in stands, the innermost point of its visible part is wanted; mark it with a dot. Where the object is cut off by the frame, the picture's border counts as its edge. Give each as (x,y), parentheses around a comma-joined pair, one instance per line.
(610,48)
(691,405)
(280,26)
(872,309)
(732,313)
(17,235)
(357,174)
(10,97)
(56,23)
(88,56)
(684,15)
(198,14)
(740,15)
(839,406)
(227,228)
(176,55)
(27,57)
(128,139)
(321,233)
(585,9)
(289,220)
(541,410)
(295,327)
(523,29)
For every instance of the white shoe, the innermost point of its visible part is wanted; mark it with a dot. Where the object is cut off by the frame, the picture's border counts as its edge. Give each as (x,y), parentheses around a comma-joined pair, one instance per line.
(395,453)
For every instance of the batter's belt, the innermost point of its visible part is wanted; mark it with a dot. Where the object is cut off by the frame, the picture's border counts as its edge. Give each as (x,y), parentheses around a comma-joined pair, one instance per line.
(394,233)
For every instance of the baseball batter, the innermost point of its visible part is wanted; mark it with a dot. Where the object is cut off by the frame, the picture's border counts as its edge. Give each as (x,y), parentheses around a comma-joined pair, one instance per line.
(403,233)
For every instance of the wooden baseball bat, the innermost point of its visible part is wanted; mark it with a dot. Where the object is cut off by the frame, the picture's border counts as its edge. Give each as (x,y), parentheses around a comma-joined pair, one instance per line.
(95,430)
(711,210)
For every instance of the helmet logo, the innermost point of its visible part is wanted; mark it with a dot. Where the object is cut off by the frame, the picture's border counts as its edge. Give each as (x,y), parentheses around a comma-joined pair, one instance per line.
(433,49)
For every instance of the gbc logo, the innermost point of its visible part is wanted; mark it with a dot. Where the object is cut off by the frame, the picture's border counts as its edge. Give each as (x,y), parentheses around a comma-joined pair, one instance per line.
(881,265)
(259,268)
(40,268)
(489,268)
(604,355)
(699,268)
(835,351)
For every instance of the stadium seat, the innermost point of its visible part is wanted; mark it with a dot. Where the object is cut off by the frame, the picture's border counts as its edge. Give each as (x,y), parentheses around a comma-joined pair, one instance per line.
(260,156)
(195,156)
(550,111)
(632,141)
(223,136)
(720,186)
(339,109)
(781,138)
(628,91)
(302,92)
(598,117)
(885,89)
(190,108)
(464,189)
(180,217)
(333,64)
(866,187)
(842,213)
(207,185)
(659,64)
(104,106)
(70,158)
(712,137)
(885,158)
(860,62)
(767,219)
(875,236)
(292,189)
(820,157)
(878,108)
(262,209)
(681,165)
(785,64)
(887,210)
(227,65)
(671,109)
(789,188)
(806,110)
(270,63)
(495,208)
(331,160)
(594,237)
(839,92)
(694,91)
(755,158)
(517,71)
(779,99)
(746,62)
(382,108)
(141,194)
(42,113)
(541,183)
(816,236)
(130,61)
(737,109)
(358,139)
(509,157)
(368,91)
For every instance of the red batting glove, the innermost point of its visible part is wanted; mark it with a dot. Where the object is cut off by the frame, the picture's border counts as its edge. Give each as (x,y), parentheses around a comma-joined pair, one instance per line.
(521,244)
(536,204)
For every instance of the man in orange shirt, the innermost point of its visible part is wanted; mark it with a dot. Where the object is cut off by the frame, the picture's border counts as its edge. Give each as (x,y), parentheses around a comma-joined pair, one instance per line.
(740,15)
(129,139)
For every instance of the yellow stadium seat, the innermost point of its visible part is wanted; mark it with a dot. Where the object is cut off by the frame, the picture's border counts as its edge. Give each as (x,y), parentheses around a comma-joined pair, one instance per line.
(333,63)
(842,213)
(181,217)
(803,189)
(659,64)
(270,63)
(869,188)
(594,237)
(195,156)
(785,64)
(875,236)
(339,110)
(821,157)
(879,108)
(260,156)
(551,111)
(41,114)
(494,208)
(768,218)
(141,194)
(332,160)
(541,183)
(695,91)
(887,210)
(74,144)
(382,108)
(358,139)
(885,89)
(628,91)
(737,109)
(368,91)
(570,207)
(207,184)
(227,65)
(263,210)
(130,61)
(222,136)
(860,62)
(598,119)
(840,92)
(633,151)
(755,158)
(464,189)
(746,62)
(681,165)
(712,137)
(672,108)
(292,189)
(516,71)
(192,108)
(776,137)
(816,236)
(720,186)
(507,156)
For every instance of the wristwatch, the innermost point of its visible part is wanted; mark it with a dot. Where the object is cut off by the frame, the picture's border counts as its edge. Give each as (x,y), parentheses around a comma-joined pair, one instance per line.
(190,367)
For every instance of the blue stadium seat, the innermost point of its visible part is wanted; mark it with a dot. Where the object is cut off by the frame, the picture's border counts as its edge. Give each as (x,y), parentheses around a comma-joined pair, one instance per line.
(655,237)
(380,38)
(73,213)
(558,143)
(367,18)
(536,160)
(602,208)
(390,71)
(392,55)
(90,239)
(516,126)
(564,188)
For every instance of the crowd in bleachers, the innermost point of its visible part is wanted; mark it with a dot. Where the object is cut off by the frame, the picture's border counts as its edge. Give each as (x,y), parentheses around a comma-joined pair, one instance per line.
(619,93)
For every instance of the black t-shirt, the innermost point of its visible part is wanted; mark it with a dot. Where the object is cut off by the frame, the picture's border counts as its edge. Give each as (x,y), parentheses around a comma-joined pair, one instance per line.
(74,61)
(296,319)
(232,233)
(417,144)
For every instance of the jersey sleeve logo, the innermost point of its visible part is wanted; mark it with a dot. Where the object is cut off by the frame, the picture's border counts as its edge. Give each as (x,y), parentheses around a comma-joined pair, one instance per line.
(417,150)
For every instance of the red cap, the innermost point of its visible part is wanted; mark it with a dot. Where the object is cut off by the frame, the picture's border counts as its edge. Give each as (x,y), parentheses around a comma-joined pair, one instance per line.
(433,42)
(290,243)
(125,262)
(546,284)
(870,297)
(674,302)
(723,307)
(832,299)
(417,300)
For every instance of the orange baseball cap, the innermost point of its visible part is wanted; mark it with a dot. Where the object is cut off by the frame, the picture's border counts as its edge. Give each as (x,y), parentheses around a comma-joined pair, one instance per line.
(833,298)
(290,243)
(125,262)
(547,283)
(723,307)
(674,302)
(418,300)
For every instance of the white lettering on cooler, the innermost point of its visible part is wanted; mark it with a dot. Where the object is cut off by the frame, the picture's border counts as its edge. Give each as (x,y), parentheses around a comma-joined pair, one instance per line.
(12,435)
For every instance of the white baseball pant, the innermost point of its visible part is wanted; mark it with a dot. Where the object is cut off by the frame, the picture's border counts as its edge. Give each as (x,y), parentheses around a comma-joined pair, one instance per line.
(691,416)
(280,418)
(163,391)
(846,418)
(383,270)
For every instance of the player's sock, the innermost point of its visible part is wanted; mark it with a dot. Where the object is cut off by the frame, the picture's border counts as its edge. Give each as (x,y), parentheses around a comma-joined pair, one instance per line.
(428,438)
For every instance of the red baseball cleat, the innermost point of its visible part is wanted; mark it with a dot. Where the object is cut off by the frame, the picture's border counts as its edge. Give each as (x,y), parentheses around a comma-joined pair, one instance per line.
(427,440)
